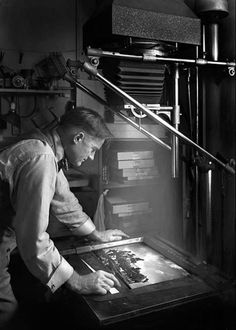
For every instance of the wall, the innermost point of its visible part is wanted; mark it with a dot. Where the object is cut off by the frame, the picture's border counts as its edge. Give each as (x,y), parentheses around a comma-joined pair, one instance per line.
(29,31)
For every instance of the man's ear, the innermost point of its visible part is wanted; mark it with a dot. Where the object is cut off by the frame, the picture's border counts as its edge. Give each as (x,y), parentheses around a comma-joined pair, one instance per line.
(78,137)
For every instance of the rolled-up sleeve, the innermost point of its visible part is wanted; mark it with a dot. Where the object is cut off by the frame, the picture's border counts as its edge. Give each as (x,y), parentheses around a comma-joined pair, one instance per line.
(35,181)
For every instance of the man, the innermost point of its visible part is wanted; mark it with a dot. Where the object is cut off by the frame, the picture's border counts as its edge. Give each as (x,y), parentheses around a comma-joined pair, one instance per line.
(32,187)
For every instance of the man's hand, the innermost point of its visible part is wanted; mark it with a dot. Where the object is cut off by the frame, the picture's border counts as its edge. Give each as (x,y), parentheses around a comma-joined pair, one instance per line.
(108,235)
(99,282)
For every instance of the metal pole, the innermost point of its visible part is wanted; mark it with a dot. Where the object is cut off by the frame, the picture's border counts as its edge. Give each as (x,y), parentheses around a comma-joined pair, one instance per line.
(214,33)
(196,177)
(176,115)
(209,214)
(214,54)
(203,41)
(92,71)
(152,58)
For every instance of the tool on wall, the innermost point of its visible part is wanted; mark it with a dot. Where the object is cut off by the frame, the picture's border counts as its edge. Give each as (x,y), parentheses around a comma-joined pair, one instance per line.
(12,117)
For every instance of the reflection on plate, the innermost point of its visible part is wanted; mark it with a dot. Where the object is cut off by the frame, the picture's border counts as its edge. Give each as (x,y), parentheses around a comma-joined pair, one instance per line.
(140,265)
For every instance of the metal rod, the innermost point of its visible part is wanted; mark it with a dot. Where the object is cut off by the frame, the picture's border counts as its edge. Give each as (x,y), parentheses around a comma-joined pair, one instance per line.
(164,108)
(176,115)
(209,213)
(203,90)
(155,107)
(214,54)
(196,172)
(152,58)
(203,41)
(214,32)
(130,121)
(92,71)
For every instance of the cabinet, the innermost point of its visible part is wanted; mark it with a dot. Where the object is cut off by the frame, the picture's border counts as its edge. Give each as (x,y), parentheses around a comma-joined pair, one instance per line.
(132,175)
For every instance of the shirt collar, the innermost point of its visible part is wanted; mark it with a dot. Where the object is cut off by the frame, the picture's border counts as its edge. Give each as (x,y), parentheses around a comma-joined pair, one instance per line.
(59,150)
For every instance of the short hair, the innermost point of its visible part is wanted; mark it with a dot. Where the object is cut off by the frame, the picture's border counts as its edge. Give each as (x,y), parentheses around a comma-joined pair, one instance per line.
(87,119)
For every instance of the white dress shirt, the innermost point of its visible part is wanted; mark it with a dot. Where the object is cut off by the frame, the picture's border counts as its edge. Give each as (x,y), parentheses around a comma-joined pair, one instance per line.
(38,189)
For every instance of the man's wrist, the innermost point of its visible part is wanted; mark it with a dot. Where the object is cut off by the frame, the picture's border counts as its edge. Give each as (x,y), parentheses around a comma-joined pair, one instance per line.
(74,282)
(95,235)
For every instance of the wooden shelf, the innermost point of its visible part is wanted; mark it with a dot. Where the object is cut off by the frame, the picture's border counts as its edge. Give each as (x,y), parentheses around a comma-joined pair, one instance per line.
(34,91)
(124,131)
(113,184)
(131,139)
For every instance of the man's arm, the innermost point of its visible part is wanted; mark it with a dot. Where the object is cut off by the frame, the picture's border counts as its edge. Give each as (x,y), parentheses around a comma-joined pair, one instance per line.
(34,186)
(34,191)
(66,208)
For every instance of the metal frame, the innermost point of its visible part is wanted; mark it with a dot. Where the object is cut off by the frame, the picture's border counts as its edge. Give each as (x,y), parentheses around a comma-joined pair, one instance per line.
(151,58)
(91,70)
(72,80)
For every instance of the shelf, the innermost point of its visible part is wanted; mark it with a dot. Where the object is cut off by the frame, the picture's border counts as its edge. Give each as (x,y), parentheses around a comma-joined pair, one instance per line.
(131,139)
(124,131)
(34,91)
(113,184)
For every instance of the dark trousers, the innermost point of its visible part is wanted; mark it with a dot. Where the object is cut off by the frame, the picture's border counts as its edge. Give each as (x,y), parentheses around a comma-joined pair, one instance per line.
(8,303)
(35,309)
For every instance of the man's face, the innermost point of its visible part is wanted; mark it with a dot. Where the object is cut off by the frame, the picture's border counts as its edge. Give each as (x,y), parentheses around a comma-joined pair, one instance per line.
(83,147)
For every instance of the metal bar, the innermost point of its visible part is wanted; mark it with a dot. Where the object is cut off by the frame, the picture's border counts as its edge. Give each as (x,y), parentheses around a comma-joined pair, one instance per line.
(214,31)
(196,172)
(154,107)
(92,71)
(91,268)
(128,120)
(203,41)
(89,248)
(176,115)
(209,209)
(203,89)
(151,58)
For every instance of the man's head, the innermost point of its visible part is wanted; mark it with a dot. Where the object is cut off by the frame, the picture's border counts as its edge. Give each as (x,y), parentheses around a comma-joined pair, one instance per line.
(82,132)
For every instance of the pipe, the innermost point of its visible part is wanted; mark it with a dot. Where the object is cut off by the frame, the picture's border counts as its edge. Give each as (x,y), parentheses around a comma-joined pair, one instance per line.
(176,120)
(92,71)
(196,171)
(209,213)
(151,58)
(203,41)
(203,90)
(214,41)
